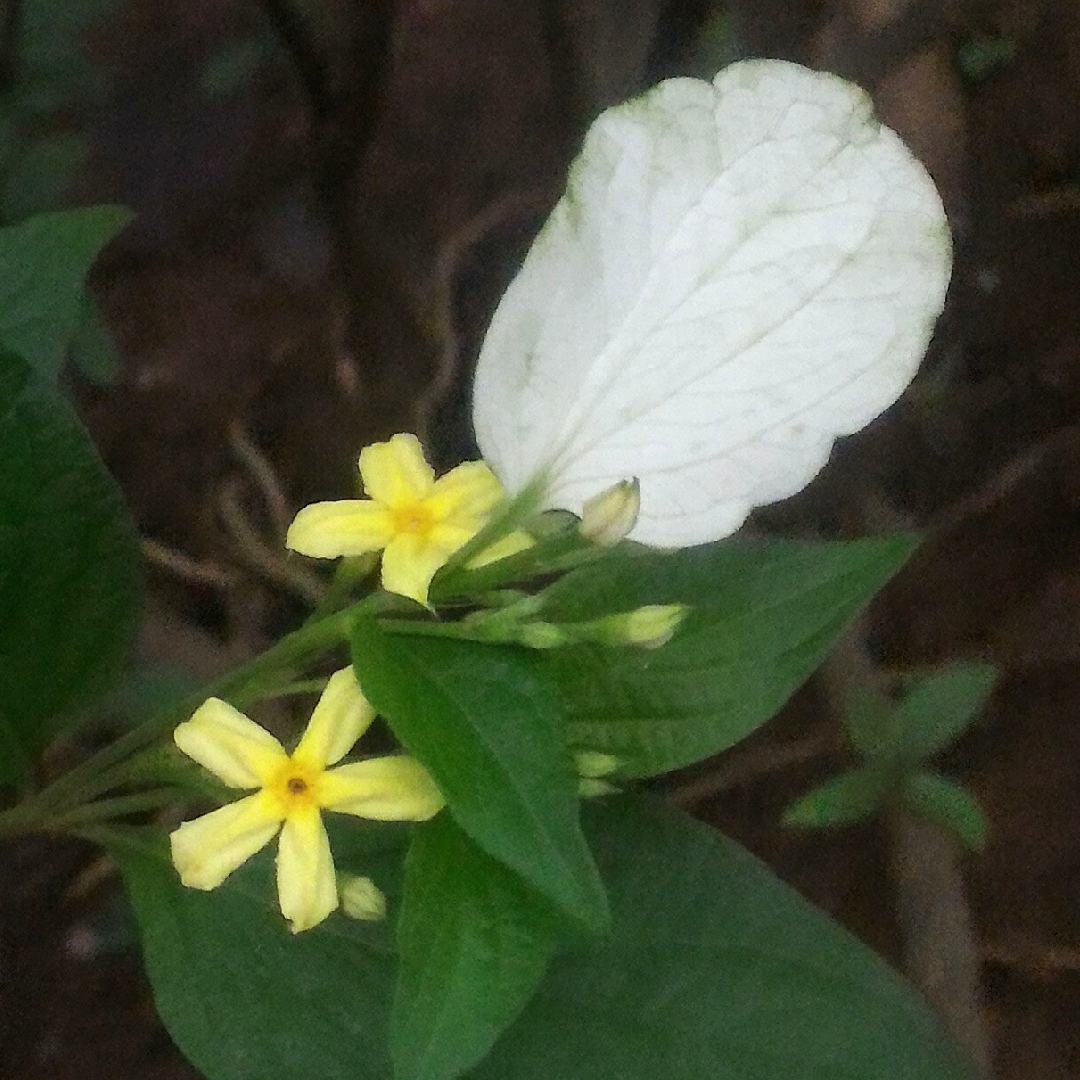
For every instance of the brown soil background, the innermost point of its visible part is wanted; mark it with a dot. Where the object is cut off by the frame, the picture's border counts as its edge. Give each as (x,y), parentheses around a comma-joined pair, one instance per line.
(315,257)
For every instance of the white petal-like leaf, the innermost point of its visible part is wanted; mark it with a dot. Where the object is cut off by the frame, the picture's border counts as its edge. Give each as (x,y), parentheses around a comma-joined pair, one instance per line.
(738,273)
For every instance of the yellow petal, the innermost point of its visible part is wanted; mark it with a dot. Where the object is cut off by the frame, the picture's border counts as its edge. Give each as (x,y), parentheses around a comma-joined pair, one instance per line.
(328,530)
(502,549)
(235,749)
(341,716)
(307,887)
(207,850)
(470,491)
(383,789)
(395,472)
(410,562)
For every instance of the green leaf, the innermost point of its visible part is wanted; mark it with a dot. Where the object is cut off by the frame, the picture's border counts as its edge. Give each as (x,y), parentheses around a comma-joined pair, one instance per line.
(473,943)
(242,997)
(762,618)
(490,733)
(867,715)
(69,577)
(949,805)
(939,708)
(43,264)
(714,969)
(850,797)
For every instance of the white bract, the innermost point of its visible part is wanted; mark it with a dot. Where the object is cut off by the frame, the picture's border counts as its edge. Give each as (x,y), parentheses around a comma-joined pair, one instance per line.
(738,273)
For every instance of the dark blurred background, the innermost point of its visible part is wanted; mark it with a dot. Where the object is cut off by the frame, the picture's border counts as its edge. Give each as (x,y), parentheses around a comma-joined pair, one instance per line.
(330,197)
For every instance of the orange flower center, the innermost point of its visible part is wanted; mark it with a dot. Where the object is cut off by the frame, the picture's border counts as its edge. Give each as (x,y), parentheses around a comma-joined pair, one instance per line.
(295,787)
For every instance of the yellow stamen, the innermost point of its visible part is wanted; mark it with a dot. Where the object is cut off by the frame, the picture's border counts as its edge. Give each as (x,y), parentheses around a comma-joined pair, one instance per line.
(296,786)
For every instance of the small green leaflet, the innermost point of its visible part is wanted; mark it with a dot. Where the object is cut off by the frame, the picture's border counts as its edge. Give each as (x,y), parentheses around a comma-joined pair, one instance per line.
(893,741)
(949,805)
(847,798)
(939,708)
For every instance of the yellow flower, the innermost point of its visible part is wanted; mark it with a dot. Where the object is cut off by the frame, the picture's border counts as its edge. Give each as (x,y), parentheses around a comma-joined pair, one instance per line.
(418,522)
(292,791)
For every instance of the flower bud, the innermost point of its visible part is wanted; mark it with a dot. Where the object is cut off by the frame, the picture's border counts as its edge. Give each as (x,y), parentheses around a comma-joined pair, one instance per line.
(361,898)
(648,627)
(592,766)
(608,517)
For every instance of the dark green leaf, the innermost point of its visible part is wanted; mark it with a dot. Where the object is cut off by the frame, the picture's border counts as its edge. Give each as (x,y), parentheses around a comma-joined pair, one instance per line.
(762,619)
(850,797)
(43,264)
(716,969)
(939,708)
(242,997)
(490,733)
(69,581)
(473,943)
(949,805)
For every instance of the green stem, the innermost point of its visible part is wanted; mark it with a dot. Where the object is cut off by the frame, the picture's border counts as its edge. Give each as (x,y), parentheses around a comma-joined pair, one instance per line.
(350,573)
(455,579)
(421,628)
(105,810)
(250,681)
(301,686)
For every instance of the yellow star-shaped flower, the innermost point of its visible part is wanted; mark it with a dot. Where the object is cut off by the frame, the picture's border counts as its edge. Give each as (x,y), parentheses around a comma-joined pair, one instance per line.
(417,522)
(292,791)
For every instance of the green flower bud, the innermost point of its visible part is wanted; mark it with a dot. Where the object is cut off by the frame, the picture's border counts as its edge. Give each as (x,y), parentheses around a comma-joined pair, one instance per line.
(648,627)
(592,766)
(608,517)
(361,898)
(594,763)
